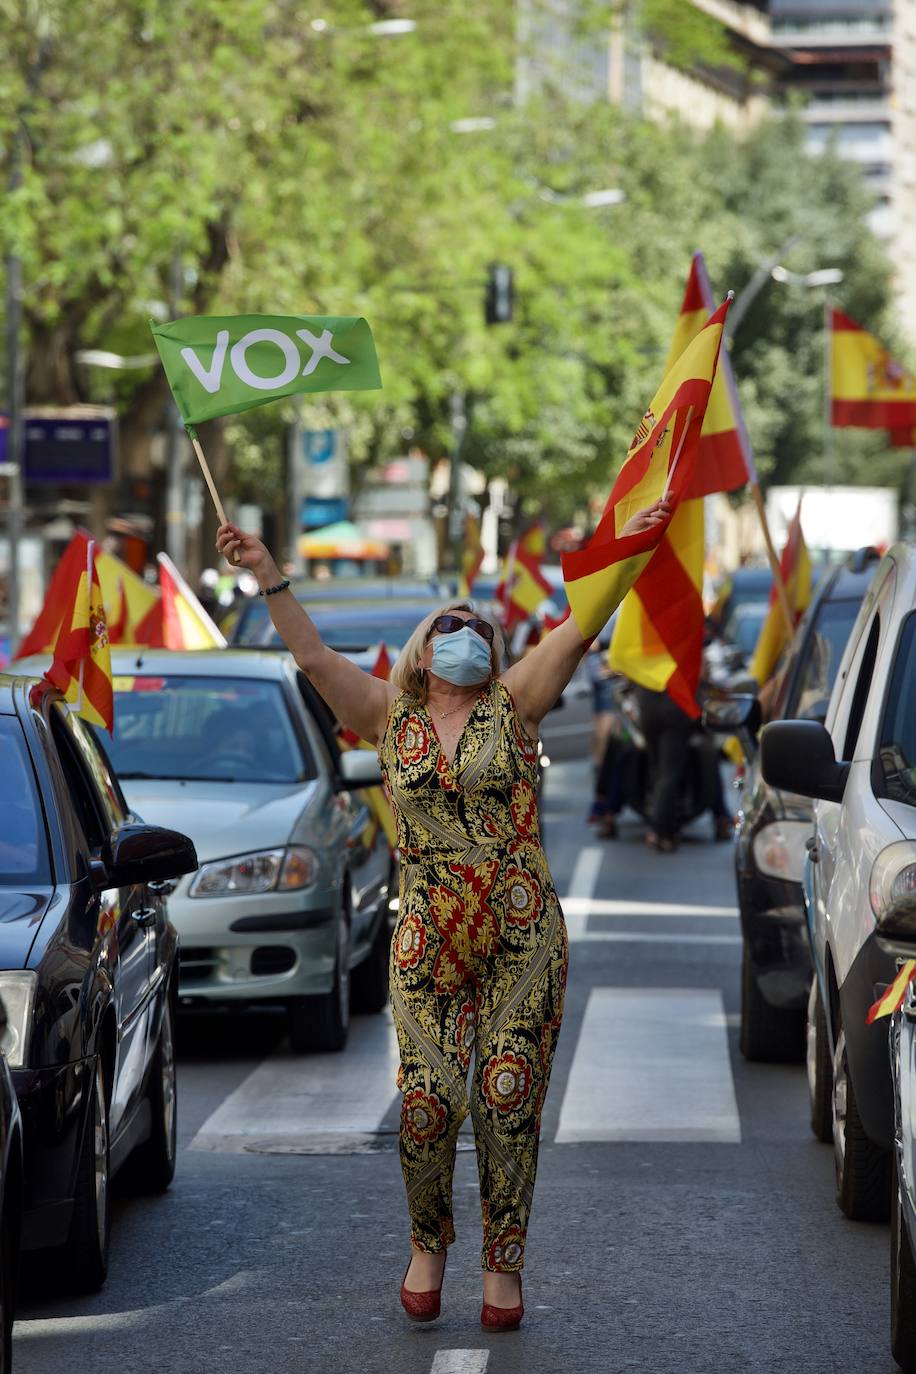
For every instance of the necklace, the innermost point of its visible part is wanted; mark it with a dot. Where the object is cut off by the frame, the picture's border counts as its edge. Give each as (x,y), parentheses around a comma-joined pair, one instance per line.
(451,711)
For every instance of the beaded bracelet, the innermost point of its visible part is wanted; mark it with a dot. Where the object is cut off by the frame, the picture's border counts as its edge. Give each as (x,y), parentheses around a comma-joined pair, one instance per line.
(271,591)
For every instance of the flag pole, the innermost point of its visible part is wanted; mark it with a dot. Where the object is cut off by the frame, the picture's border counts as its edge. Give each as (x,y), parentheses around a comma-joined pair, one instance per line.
(678,451)
(211,485)
(773,558)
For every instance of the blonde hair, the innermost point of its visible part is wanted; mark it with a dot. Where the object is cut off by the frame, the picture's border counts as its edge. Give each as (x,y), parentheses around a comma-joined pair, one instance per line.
(409,677)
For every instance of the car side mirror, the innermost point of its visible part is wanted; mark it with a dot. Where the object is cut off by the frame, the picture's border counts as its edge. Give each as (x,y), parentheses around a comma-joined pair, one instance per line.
(732,714)
(147,853)
(798,756)
(358,768)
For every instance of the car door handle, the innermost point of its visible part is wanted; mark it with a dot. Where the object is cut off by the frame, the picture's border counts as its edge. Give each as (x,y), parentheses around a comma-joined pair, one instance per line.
(145,915)
(811,846)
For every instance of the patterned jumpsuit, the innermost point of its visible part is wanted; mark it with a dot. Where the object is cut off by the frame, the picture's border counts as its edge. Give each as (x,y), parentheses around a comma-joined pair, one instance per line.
(478,963)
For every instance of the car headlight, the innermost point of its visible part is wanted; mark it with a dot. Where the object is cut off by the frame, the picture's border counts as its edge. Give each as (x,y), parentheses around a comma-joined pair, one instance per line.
(780,849)
(267,870)
(893,878)
(17,992)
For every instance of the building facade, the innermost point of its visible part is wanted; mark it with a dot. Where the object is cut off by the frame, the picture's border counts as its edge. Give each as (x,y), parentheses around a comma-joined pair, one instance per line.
(853,67)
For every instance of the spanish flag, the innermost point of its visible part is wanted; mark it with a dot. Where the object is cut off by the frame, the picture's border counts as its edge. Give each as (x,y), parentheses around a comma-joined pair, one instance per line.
(868,388)
(128,599)
(81,667)
(472,555)
(892,1000)
(658,637)
(661,461)
(523,586)
(795,566)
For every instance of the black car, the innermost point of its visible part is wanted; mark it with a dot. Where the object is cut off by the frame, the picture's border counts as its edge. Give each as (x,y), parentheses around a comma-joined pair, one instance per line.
(772,828)
(10,1201)
(88,976)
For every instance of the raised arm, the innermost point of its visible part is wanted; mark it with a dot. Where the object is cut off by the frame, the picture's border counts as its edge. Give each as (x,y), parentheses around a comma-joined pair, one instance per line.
(538,680)
(359,701)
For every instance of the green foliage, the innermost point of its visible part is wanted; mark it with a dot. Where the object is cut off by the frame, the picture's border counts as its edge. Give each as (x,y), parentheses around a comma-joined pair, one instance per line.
(687,36)
(291,168)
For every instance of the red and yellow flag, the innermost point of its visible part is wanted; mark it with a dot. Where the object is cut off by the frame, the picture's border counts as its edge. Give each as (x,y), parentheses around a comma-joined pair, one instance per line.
(658,637)
(127,598)
(868,388)
(661,461)
(892,1000)
(45,633)
(81,667)
(472,555)
(523,586)
(185,623)
(795,566)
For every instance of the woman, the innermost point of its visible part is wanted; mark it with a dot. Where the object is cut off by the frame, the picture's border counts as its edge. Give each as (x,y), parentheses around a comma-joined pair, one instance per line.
(479,954)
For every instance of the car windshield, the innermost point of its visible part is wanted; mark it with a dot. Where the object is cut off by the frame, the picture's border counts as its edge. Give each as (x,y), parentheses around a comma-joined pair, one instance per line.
(897,745)
(344,629)
(823,651)
(205,729)
(23,842)
(745,626)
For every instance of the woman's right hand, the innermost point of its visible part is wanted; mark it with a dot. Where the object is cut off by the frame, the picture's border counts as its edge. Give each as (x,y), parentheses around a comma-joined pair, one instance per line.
(249,552)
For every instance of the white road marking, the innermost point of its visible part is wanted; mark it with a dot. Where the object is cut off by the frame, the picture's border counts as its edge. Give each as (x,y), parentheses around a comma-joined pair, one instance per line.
(460,1362)
(651,1064)
(605,906)
(657,937)
(322,1104)
(582,886)
(583,728)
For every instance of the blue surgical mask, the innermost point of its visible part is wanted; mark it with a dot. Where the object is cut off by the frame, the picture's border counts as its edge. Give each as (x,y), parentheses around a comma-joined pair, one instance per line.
(462,658)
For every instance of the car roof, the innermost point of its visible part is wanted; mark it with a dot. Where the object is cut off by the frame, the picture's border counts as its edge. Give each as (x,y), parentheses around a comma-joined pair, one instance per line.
(10,683)
(849,580)
(253,663)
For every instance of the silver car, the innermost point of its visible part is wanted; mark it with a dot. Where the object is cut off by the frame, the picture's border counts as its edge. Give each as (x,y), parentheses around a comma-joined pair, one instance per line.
(235,749)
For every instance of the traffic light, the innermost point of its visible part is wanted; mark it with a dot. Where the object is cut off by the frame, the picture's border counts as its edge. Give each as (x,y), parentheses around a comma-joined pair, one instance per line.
(498,300)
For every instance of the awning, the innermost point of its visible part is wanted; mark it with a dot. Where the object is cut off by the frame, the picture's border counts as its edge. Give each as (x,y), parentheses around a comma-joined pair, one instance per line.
(343,540)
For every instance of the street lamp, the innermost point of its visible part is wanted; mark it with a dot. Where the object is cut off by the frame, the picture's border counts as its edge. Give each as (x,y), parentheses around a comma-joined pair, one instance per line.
(381,28)
(822,276)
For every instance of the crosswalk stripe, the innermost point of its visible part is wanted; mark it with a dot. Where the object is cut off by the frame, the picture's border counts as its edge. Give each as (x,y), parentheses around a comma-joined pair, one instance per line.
(651,1064)
(582,884)
(610,906)
(324,1104)
(460,1362)
(658,937)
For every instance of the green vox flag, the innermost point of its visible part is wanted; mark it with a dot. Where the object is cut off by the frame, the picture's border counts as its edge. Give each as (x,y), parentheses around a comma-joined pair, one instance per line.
(221,364)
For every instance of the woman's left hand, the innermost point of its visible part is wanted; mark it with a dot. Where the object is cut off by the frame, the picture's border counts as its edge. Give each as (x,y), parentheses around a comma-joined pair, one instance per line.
(649,518)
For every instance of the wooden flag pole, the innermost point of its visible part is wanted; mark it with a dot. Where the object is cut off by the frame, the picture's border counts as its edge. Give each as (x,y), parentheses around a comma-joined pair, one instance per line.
(211,485)
(679,450)
(778,582)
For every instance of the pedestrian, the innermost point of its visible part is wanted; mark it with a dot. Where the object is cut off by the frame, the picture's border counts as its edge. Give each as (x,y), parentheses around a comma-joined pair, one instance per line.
(479,955)
(667,730)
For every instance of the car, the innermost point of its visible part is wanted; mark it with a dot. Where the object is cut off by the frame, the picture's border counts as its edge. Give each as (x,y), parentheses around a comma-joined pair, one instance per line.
(903,1170)
(858,766)
(88,977)
(253,626)
(291,900)
(10,1201)
(738,588)
(771,827)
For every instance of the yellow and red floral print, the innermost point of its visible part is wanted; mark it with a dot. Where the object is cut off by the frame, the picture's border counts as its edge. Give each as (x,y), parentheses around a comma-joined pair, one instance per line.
(478,965)
(506,1081)
(424,1116)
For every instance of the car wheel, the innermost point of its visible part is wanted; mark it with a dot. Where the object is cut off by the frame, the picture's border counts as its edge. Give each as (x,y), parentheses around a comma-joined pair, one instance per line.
(86,1253)
(863,1169)
(152,1166)
(370,978)
(768,1034)
(820,1072)
(323,1023)
(903,1285)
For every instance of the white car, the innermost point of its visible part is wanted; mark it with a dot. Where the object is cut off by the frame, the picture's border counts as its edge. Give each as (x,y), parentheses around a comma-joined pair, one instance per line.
(861,768)
(292,895)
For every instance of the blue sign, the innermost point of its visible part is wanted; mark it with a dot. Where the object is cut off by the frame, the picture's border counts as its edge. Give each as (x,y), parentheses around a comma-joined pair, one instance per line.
(69,449)
(319,446)
(318,511)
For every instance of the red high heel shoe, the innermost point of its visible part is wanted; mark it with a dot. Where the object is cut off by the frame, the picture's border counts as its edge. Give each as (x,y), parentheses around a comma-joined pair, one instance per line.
(422,1307)
(503,1318)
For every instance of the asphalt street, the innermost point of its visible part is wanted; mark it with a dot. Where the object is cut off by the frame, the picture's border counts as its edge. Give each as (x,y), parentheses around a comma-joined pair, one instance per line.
(684,1218)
